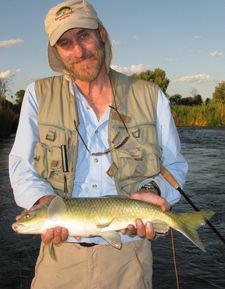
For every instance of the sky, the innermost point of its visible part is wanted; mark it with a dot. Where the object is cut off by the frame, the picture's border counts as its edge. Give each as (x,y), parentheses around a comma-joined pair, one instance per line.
(186,38)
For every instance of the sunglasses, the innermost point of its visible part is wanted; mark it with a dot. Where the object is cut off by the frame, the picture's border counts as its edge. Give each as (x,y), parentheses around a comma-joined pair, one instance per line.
(116,142)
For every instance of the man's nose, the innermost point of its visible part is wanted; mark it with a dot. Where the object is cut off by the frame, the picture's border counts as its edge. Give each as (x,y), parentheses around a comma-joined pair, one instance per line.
(78,49)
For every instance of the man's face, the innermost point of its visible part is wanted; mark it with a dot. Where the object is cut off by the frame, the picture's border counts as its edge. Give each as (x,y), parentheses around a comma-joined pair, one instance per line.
(82,52)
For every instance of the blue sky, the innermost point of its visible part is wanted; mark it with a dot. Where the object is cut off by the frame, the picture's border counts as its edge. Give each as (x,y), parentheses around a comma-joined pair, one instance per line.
(185,38)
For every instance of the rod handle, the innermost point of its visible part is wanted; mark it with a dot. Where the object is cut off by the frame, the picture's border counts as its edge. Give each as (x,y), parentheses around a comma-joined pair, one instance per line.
(169,177)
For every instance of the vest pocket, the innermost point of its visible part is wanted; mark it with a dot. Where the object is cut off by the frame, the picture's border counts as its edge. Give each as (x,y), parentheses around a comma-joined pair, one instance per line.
(47,160)
(142,162)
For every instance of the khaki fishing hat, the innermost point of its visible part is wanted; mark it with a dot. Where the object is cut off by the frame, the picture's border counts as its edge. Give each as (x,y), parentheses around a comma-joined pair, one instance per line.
(67,15)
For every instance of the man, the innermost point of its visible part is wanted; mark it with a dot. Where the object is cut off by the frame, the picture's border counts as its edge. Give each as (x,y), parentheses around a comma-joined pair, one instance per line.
(113,131)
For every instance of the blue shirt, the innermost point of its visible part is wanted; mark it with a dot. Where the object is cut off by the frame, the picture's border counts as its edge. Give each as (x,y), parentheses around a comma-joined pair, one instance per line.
(91,178)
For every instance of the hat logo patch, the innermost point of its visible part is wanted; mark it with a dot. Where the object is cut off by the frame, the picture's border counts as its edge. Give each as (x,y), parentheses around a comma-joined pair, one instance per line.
(63,13)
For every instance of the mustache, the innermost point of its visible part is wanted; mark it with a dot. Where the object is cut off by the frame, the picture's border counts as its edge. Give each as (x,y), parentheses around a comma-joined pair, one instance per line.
(76,60)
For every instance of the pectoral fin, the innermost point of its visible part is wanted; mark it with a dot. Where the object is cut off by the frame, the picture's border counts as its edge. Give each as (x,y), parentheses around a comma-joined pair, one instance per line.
(113,238)
(56,207)
(103,225)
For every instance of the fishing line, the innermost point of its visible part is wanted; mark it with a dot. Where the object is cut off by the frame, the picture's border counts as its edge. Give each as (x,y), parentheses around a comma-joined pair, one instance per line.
(172,181)
(174,259)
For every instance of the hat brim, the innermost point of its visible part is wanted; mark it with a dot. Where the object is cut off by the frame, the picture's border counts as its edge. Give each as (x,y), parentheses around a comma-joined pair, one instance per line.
(90,24)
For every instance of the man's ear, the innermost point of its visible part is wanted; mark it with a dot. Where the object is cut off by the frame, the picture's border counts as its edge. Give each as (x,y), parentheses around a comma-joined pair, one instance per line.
(103,33)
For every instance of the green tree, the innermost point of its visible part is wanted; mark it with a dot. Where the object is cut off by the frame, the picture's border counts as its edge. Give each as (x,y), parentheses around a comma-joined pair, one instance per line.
(197,99)
(175,99)
(186,100)
(3,87)
(157,76)
(219,93)
(19,96)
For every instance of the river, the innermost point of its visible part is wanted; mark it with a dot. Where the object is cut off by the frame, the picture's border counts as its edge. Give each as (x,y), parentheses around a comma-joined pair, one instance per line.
(205,151)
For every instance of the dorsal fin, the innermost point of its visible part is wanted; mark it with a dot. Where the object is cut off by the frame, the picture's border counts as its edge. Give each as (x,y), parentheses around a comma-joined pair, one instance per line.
(56,207)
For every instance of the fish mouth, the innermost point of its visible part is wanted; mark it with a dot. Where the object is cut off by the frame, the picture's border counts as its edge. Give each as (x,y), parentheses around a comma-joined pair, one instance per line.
(17,227)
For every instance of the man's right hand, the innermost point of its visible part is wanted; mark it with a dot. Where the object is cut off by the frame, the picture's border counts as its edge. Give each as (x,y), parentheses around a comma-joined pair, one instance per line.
(56,235)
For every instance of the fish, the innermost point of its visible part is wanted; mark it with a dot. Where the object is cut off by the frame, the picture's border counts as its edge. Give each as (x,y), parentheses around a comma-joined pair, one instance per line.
(106,216)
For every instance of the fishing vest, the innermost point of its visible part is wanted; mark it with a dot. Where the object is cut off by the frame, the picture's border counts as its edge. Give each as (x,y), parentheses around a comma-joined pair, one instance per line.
(132,135)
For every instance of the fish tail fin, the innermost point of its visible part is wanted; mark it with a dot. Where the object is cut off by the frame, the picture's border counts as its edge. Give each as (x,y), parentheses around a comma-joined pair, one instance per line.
(188,223)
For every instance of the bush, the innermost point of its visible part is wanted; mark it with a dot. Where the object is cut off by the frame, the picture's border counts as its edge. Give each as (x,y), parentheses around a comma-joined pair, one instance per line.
(8,122)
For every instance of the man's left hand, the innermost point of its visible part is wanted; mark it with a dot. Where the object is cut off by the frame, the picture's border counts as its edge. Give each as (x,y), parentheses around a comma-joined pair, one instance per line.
(146,230)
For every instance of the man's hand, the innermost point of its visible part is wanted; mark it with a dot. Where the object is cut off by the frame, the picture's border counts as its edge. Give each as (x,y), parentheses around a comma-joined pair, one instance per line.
(55,235)
(140,229)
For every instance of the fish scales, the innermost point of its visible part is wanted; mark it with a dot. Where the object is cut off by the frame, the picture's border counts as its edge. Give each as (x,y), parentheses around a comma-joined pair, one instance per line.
(99,211)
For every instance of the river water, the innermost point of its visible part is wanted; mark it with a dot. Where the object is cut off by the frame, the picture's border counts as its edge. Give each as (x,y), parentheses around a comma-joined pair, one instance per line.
(205,151)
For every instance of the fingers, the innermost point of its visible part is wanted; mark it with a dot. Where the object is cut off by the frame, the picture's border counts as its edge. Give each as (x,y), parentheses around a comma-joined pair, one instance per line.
(55,235)
(140,228)
(78,238)
(146,231)
(150,233)
(18,217)
(44,200)
(130,230)
(153,199)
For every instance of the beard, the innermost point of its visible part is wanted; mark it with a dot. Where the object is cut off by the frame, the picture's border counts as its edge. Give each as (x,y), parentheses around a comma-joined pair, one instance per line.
(88,67)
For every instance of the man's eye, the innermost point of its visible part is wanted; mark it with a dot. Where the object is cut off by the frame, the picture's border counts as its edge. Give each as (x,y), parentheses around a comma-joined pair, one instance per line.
(63,43)
(84,35)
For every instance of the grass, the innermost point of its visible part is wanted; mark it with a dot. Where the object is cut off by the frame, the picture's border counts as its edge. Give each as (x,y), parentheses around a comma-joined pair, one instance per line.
(212,114)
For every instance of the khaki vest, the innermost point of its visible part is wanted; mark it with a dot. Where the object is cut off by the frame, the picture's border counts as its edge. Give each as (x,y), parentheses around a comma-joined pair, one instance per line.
(133,143)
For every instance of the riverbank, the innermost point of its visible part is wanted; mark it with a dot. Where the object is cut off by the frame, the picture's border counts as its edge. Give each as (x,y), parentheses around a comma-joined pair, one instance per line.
(205,115)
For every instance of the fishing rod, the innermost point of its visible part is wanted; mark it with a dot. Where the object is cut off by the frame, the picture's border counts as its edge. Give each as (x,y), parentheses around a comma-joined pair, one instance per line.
(172,181)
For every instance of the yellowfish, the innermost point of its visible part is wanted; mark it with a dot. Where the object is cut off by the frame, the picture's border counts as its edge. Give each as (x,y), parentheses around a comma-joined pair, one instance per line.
(105,217)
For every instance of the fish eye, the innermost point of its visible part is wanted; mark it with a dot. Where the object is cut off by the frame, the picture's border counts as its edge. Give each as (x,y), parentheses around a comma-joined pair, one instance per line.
(28,216)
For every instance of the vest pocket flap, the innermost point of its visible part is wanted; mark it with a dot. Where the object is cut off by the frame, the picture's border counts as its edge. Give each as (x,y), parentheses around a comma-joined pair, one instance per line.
(135,153)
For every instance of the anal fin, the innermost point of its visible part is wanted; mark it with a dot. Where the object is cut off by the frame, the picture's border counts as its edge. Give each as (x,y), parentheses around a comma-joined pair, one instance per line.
(160,228)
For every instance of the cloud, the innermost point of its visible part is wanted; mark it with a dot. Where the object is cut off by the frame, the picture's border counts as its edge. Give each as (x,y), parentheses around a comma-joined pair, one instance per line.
(131,69)
(6,74)
(11,42)
(197,36)
(216,53)
(197,78)
(116,42)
